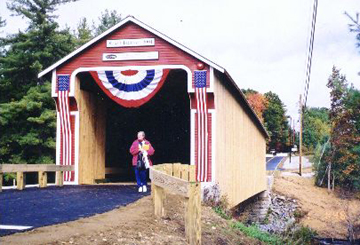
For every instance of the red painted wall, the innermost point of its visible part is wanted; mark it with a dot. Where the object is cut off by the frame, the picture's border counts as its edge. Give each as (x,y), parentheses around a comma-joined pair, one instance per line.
(92,56)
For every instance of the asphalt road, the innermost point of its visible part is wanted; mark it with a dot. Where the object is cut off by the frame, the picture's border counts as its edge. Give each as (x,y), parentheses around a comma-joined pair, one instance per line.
(35,207)
(272,163)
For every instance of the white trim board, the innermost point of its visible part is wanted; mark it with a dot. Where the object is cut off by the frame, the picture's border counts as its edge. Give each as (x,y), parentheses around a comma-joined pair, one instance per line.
(15,227)
(10,187)
(124,68)
(192,136)
(53,83)
(141,24)
(211,80)
(77,129)
(57,137)
(213,146)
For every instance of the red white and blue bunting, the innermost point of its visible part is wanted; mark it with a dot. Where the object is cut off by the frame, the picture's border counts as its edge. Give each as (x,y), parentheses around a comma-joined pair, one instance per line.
(130,88)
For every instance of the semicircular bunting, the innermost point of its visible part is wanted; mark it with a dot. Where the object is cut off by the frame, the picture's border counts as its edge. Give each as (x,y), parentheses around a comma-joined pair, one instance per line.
(130,88)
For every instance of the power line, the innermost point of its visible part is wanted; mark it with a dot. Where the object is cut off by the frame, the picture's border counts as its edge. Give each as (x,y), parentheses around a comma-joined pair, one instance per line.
(302,102)
(310,53)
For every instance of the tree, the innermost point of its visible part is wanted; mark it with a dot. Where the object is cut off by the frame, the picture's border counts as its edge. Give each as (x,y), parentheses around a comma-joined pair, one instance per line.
(257,101)
(2,47)
(2,22)
(354,26)
(344,154)
(28,128)
(83,32)
(271,111)
(276,122)
(38,12)
(27,111)
(316,128)
(107,20)
(29,52)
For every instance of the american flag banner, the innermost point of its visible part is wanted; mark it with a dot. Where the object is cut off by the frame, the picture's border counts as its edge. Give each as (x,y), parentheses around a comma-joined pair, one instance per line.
(65,125)
(202,137)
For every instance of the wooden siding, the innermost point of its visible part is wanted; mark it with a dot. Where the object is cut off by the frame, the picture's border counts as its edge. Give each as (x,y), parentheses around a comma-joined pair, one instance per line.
(168,54)
(92,113)
(240,146)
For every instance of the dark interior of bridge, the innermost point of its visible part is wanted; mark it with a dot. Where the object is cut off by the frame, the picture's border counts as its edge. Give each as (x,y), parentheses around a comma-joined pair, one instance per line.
(165,120)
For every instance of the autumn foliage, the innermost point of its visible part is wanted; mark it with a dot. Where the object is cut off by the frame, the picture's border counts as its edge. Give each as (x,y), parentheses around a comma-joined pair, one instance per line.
(344,153)
(271,111)
(259,103)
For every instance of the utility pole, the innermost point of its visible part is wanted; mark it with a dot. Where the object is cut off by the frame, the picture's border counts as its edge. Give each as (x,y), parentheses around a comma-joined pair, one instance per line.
(290,139)
(300,136)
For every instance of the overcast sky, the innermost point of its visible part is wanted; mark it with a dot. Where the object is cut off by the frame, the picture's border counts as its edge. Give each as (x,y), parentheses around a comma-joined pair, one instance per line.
(263,44)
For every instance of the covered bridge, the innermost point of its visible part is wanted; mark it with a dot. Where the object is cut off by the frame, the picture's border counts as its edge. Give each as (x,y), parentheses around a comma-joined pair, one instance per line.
(131,78)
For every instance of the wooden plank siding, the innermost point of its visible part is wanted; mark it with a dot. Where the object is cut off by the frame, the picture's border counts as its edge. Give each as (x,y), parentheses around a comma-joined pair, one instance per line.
(240,146)
(92,131)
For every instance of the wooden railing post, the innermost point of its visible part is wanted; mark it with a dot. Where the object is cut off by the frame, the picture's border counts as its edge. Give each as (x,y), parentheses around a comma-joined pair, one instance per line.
(42,179)
(192,177)
(1,181)
(181,180)
(20,180)
(184,172)
(193,214)
(59,178)
(176,168)
(159,197)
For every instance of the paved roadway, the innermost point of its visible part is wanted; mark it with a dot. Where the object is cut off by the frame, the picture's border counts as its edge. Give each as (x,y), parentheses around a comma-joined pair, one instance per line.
(35,207)
(273,162)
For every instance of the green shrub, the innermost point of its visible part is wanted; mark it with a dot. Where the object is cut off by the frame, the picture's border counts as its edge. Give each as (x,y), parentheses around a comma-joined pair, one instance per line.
(221,212)
(302,235)
(8,178)
(254,232)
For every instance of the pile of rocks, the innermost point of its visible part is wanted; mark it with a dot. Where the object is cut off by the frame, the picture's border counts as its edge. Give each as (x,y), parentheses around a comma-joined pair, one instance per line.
(274,213)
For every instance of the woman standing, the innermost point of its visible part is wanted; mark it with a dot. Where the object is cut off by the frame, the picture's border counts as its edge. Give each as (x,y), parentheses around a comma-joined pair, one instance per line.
(141,148)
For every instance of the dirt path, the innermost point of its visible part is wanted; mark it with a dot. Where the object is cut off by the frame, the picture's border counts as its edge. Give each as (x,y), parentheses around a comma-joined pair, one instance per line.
(325,212)
(133,224)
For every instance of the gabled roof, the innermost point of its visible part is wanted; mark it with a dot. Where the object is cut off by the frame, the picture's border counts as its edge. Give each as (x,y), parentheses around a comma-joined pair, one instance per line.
(143,25)
(171,41)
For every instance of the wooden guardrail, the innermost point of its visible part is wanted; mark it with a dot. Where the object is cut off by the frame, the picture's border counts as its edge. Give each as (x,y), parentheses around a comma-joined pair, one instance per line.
(178,179)
(42,169)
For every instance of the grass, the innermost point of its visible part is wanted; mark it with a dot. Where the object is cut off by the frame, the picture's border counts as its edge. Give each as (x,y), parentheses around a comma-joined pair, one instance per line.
(302,235)
(250,231)
(221,213)
(254,232)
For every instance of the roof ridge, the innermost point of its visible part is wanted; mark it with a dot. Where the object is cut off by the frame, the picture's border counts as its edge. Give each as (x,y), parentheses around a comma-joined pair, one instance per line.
(141,24)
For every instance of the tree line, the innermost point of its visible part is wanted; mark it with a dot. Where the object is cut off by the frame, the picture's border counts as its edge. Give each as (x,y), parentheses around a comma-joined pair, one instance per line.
(338,160)
(331,135)
(27,111)
(28,118)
